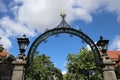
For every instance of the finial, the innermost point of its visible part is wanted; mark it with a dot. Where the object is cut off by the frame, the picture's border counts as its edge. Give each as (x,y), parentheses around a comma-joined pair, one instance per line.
(63,23)
(101,38)
(23,36)
(62,13)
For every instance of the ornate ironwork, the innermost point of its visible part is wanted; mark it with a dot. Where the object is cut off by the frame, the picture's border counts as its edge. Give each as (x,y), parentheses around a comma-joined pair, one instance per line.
(63,27)
(63,23)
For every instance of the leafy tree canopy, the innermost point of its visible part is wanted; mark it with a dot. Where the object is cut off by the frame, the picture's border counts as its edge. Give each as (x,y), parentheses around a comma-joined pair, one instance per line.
(82,66)
(43,69)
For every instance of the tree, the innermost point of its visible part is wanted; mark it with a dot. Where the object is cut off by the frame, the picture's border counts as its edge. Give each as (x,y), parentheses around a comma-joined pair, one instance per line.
(82,66)
(43,69)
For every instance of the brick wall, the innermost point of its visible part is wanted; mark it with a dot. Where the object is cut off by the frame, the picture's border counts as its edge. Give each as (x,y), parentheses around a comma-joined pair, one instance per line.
(6,69)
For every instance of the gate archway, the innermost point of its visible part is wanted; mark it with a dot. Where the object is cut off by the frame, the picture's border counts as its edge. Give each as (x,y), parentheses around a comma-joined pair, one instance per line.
(63,27)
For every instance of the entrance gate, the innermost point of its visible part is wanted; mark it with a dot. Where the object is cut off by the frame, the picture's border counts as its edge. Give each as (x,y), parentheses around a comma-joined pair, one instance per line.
(63,27)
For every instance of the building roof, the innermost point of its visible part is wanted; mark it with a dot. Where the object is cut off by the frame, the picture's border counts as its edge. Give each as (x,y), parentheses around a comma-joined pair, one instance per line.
(6,55)
(114,55)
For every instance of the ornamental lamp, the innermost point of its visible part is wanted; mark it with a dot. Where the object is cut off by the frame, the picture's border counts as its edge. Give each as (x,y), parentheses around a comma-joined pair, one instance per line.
(23,42)
(103,45)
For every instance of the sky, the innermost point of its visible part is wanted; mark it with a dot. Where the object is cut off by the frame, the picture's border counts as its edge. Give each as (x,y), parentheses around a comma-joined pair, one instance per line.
(33,17)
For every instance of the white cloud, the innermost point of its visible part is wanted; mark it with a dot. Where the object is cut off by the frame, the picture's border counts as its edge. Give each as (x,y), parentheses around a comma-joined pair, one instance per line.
(64,72)
(114,6)
(38,15)
(10,28)
(88,47)
(14,28)
(116,43)
(42,14)
(6,42)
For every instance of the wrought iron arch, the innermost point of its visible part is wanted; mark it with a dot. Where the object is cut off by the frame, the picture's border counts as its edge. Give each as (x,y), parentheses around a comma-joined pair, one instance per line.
(63,27)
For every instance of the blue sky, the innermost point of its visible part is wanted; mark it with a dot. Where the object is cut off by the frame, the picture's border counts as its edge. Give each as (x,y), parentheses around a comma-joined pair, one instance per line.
(32,17)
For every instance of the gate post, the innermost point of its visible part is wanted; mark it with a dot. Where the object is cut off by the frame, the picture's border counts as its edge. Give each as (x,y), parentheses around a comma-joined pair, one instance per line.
(19,68)
(108,69)
(107,64)
(19,64)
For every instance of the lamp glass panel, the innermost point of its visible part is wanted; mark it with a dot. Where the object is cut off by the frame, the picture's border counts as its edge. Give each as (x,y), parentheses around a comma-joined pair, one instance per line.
(22,46)
(105,46)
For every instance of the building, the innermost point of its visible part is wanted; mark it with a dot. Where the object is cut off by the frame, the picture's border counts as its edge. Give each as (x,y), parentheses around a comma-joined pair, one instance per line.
(6,67)
(115,57)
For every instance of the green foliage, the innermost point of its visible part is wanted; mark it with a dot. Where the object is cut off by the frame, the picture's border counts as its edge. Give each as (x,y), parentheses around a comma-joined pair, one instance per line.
(1,49)
(43,69)
(82,66)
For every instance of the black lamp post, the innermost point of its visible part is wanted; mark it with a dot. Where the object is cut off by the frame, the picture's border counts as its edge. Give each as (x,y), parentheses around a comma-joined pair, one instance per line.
(102,45)
(23,42)
(107,64)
